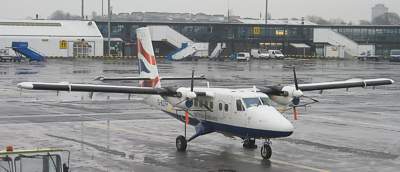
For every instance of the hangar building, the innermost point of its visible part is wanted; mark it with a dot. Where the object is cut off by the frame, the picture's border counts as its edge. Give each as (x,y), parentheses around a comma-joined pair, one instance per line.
(51,37)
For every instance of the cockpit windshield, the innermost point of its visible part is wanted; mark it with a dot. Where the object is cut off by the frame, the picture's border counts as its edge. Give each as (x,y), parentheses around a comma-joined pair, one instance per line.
(251,102)
(256,101)
(266,101)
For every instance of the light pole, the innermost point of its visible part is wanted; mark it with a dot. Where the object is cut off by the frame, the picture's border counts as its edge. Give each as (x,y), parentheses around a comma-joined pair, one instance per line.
(109,28)
(83,14)
(102,8)
(266,11)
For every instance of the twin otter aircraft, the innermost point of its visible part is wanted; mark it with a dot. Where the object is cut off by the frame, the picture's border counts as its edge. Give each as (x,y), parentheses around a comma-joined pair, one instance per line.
(246,113)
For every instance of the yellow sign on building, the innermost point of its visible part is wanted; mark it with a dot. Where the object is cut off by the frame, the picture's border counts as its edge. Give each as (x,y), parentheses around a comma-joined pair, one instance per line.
(280,32)
(63,44)
(256,30)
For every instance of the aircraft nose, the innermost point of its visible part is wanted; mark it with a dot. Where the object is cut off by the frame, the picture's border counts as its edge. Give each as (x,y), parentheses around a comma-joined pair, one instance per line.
(286,125)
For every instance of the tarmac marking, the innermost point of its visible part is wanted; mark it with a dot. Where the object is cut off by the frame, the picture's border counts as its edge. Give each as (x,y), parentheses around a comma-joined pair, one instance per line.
(298,165)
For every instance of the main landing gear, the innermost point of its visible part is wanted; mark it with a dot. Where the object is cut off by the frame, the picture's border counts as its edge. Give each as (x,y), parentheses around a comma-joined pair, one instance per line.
(249,143)
(181,143)
(266,150)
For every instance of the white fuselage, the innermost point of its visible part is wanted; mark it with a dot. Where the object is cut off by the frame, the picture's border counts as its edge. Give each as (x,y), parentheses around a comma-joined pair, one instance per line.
(256,121)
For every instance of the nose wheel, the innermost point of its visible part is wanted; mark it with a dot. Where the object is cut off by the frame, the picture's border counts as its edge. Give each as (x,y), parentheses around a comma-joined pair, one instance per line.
(266,150)
(181,143)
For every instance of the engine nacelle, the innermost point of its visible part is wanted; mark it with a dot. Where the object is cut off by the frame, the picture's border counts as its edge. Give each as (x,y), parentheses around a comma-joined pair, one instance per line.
(182,102)
(186,93)
(291,94)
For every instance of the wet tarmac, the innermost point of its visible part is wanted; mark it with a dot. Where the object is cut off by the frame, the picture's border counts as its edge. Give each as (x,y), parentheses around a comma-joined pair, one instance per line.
(355,130)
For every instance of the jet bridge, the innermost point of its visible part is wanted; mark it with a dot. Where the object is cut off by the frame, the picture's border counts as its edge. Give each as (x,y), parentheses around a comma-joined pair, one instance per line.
(342,45)
(184,46)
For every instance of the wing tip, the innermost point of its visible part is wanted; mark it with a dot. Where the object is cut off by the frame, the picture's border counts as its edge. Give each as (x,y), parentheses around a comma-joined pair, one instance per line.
(25,85)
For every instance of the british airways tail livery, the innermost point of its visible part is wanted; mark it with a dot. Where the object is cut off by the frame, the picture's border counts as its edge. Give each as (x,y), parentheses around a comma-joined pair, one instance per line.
(146,59)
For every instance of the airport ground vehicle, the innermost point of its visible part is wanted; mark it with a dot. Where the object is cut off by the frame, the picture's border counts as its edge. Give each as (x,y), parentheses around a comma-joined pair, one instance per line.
(276,54)
(256,53)
(240,56)
(43,160)
(395,55)
(369,56)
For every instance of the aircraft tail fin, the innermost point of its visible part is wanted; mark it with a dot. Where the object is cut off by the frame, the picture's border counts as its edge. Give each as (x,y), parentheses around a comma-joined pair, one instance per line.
(146,59)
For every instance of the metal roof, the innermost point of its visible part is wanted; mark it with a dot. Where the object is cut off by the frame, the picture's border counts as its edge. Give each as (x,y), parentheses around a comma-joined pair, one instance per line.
(49,28)
(299,45)
(276,22)
(32,151)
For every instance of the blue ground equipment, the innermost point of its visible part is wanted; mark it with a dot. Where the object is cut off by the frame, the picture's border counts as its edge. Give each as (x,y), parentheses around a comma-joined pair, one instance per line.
(22,49)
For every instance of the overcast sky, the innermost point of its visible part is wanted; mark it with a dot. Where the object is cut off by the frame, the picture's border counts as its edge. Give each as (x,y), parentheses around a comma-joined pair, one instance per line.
(346,9)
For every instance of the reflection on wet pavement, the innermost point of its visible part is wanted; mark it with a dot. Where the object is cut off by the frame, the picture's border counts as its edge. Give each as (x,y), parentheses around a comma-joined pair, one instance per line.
(355,130)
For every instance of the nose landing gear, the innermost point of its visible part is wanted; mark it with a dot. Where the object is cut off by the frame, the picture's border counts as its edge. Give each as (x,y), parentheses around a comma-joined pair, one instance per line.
(266,150)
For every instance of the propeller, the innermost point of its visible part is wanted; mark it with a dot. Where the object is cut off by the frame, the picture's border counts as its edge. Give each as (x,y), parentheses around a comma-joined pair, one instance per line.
(296,98)
(189,102)
(190,95)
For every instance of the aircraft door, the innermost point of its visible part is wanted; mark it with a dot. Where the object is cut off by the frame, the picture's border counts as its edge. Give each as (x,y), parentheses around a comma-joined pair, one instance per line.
(229,109)
(240,112)
(221,108)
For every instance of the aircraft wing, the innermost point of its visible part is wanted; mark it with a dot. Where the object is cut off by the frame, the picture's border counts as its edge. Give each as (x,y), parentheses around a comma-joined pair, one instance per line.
(345,84)
(96,88)
(286,90)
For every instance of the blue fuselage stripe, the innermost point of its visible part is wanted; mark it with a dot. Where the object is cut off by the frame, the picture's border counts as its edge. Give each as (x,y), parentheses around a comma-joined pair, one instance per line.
(242,132)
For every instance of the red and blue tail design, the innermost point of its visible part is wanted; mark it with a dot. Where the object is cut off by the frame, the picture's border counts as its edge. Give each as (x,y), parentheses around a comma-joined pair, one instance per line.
(147,61)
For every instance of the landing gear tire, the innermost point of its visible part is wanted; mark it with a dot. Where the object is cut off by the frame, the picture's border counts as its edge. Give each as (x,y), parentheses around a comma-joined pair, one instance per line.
(266,151)
(181,144)
(249,144)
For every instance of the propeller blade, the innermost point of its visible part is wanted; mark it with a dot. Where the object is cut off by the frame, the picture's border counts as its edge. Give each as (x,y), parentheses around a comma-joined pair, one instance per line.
(315,100)
(192,82)
(295,78)
(184,100)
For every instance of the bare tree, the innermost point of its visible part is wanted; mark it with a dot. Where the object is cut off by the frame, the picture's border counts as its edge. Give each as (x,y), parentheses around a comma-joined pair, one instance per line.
(61,15)
(317,20)
(364,22)
(337,21)
(387,19)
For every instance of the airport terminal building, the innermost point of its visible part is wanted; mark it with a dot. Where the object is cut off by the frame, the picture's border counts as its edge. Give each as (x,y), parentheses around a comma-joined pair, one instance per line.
(293,37)
(202,38)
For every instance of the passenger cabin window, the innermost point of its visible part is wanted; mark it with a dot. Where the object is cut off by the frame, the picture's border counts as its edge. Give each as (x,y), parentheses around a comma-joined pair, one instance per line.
(252,102)
(220,106)
(266,101)
(226,107)
(239,105)
(205,103)
(211,105)
(200,103)
(196,102)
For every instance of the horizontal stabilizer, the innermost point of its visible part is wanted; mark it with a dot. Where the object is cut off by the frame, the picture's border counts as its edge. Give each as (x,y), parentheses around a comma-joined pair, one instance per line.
(102,78)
